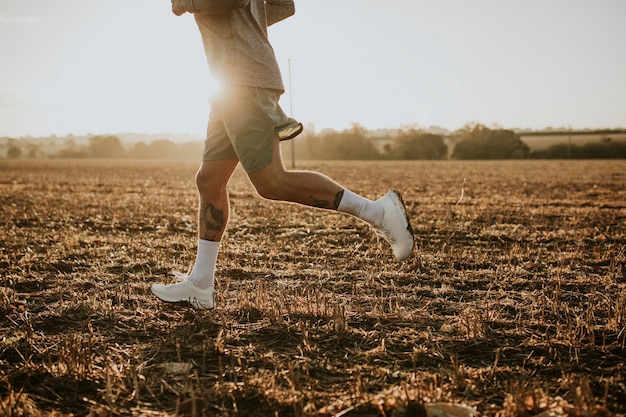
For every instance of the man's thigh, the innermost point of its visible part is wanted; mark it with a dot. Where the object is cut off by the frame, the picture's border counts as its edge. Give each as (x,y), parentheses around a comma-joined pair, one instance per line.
(217,145)
(250,117)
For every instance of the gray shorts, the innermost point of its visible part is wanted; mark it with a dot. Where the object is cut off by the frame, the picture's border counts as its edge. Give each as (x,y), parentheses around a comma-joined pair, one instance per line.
(243,124)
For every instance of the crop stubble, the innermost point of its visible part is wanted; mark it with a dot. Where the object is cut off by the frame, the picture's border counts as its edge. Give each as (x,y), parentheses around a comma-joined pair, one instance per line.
(515,301)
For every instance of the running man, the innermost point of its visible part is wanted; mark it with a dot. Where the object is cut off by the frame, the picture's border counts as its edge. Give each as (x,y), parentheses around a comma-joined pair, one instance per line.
(246,125)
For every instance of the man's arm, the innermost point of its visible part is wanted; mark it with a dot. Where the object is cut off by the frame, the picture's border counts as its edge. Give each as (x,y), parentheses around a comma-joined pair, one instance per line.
(278,10)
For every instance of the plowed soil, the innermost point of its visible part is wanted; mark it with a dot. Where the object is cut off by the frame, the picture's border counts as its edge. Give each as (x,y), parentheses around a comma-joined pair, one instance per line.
(514,303)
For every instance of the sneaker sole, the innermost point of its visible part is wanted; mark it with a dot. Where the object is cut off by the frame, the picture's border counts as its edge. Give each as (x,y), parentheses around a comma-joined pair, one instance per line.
(197,303)
(406,216)
(409,228)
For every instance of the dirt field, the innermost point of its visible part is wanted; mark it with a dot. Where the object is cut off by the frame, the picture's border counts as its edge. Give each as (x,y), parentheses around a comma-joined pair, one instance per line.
(515,303)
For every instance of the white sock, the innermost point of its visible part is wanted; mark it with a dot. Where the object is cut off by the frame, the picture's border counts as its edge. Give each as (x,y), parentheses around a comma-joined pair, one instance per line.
(203,272)
(361,207)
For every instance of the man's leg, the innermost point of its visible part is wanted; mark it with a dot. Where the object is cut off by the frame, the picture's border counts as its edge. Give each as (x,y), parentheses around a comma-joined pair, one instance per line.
(387,214)
(211,180)
(213,210)
(309,188)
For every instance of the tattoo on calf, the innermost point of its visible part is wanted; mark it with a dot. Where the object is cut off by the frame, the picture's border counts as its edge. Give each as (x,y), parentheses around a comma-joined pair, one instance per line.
(319,203)
(338,198)
(213,221)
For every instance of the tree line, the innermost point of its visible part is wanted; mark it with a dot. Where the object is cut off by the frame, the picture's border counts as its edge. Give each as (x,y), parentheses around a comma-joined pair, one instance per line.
(106,146)
(472,142)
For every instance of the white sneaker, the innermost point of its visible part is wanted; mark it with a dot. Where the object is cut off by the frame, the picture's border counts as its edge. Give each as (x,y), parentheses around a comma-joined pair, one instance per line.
(395,227)
(185,291)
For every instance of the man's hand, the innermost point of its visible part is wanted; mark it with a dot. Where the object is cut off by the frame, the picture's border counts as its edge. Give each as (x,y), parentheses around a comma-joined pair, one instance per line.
(178,7)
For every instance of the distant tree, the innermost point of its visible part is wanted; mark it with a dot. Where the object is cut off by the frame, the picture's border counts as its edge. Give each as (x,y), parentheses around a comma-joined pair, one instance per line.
(162,149)
(480,142)
(14,151)
(140,150)
(35,151)
(559,151)
(72,150)
(167,149)
(414,144)
(106,147)
(191,150)
(351,144)
(618,149)
(607,149)
(596,150)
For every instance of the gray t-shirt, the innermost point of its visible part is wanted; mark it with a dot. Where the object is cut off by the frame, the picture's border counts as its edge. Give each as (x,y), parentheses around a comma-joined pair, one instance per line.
(237,47)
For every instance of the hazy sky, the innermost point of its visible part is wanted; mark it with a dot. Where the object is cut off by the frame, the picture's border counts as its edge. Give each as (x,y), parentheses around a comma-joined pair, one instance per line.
(112,66)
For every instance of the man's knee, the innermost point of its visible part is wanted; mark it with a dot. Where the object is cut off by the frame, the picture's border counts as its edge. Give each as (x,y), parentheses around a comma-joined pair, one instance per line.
(204,179)
(212,177)
(207,189)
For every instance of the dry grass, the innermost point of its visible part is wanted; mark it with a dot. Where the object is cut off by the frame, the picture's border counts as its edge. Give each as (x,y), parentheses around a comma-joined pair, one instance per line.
(515,304)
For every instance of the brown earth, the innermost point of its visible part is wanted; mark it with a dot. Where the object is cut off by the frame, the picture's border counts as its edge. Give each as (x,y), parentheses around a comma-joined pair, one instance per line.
(515,302)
